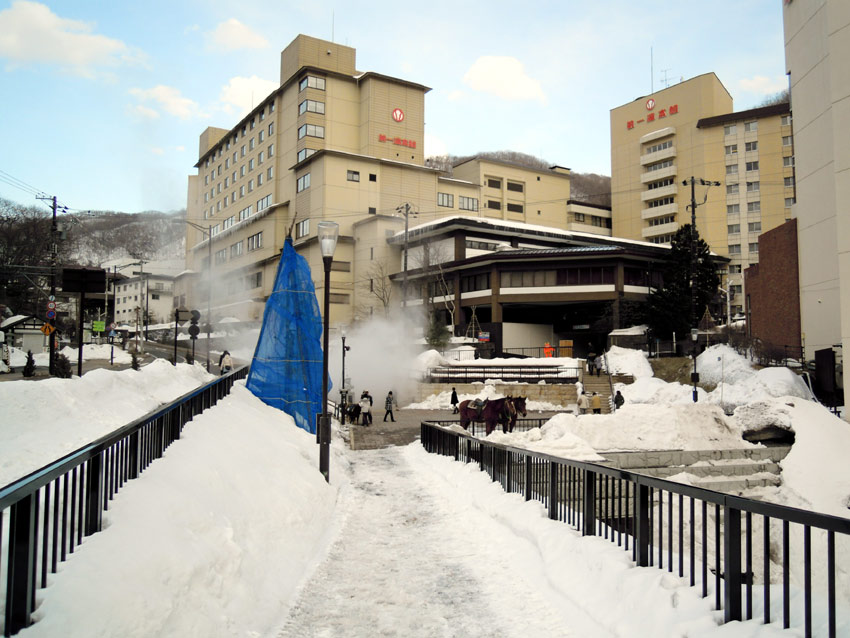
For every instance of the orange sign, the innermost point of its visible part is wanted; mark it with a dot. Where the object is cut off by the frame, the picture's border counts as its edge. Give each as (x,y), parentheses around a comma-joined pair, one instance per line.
(47,329)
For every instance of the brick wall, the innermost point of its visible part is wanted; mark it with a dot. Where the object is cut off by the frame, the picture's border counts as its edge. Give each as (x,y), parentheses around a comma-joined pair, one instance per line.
(773,290)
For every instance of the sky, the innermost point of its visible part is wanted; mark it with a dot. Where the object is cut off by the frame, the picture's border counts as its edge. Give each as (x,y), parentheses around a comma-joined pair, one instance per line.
(102,103)
(255,543)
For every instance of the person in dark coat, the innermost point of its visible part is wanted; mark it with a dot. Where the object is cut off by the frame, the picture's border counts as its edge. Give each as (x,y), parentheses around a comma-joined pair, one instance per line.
(454,401)
(225,362)
(619,400)
(366,407)
(388,406)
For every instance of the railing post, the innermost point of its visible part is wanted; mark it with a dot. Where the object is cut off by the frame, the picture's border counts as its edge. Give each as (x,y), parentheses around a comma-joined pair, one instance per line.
(553,490)
(642,525)
(133,455)
(732,563)
(509,472)
(588,527)
(527,477)
(20,572)
(94,480)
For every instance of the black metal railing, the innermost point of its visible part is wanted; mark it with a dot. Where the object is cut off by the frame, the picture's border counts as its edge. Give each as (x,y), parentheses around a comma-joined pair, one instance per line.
(522,425)
(727,545)
(540,352)
(45,515)
(520,373)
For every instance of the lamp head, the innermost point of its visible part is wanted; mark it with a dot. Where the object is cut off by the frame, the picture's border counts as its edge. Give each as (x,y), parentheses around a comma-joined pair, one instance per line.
(328,233)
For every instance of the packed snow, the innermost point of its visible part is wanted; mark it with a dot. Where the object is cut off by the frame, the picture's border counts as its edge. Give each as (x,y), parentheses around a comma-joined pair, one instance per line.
(255,543)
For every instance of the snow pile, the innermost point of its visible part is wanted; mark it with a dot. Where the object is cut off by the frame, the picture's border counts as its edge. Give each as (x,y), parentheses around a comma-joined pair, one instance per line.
(429,359)
(92,352)
(627,361)
(442,400)
(721,363)
(45,420)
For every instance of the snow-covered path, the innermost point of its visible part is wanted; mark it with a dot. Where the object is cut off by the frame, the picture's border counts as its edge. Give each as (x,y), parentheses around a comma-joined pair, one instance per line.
(408,563)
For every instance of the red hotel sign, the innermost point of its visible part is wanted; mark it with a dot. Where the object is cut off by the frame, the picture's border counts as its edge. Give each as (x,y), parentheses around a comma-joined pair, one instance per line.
(397,141)
(673,109)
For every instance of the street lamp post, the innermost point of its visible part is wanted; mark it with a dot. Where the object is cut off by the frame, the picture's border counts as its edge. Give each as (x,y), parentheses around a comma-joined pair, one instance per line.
(343,392)
(328,232)
(207,230)
(695,374)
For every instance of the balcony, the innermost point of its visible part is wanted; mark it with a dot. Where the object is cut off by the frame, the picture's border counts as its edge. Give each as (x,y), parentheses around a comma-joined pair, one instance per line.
(662,229)
(656,193)
(657,156)
(659,211)
(652,176)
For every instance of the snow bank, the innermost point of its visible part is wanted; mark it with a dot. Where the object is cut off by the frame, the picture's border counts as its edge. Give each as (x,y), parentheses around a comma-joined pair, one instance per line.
(627,361)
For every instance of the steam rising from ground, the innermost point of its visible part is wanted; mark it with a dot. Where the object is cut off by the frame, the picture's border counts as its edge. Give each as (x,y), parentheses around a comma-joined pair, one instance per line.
(382,358)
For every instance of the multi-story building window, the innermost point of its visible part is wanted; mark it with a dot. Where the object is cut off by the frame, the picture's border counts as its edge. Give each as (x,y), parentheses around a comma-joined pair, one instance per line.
(731,149)
(788,161)
(754,247)
(251,144)
(750,127)
(492,182)
(514,208)
(242,152)
(732,189)
(264,203)
(311,130)
(302,229)
(303,183)
(732,209)
(733,228)
(754,227)
(220,256)
(785,120)
(304,153)
(271,150)
(254,280)
(787,140)
(260,179)
(270,172)
(516,187)
(215,230)
(494,204)
(660,184)
(255,241)
(655,203)
(730,129)
(659,147)
(734,249)
(250,185)
(261,136)
(751,146)
(752,166)
(242,171)
(735,269)
(271,128)
(312,82)
(752,187)
(753,207)
(656,221)
(790,201)
(788,181)
(732,169)
(658,166)
(242,191)
(579,217)
(229,222)
(311,106)
(253,123)
(467,203)
(244,214)
(352,176)
(445,199)
(236,249)
(261,157)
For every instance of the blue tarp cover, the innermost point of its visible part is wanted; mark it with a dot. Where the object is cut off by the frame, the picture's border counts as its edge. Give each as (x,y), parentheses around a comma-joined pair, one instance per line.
(286,372)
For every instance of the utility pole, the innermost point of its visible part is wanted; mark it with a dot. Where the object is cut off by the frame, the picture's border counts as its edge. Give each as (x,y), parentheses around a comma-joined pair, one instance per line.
(404,209)
(693,266)
(54,252)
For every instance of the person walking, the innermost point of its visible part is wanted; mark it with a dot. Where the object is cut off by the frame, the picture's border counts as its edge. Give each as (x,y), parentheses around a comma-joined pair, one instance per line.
(598,363)
(596,403)
(225,362)
(583,403)
(619,400)
(454,401)
(591,361)
(366,407)
(388,406)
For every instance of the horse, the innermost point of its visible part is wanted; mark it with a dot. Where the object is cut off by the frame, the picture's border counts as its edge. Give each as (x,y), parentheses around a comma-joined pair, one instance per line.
(518,404)
(492,412)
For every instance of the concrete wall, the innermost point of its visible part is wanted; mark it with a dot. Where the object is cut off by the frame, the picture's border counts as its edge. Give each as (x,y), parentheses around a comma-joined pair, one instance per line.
(559,394)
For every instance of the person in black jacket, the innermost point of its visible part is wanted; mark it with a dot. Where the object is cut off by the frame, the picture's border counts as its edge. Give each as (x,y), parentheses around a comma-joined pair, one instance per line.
(454,401)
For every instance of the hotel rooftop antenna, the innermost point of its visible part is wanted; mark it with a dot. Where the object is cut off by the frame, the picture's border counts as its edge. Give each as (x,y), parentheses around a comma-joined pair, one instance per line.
(332,26)
(665,79)
(651,73)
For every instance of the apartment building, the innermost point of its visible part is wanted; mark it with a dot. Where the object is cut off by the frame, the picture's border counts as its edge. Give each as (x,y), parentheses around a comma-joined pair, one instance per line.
(689,130)
(150,293)
(334,143)
(817,45)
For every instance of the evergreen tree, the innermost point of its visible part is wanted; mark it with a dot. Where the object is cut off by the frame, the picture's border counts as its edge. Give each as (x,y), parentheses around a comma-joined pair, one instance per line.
(437,336)
(680,303)
(62,366)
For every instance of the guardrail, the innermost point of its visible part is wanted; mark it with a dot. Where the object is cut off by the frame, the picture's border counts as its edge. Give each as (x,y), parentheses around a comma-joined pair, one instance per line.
(522,425)
(710,537)
(51,510)
(521,373)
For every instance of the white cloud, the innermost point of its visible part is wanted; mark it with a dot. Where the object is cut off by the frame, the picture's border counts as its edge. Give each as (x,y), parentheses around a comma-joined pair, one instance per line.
(232,34)
(31,33)
(157,150)
(240,94)
(456,96)
(142,111)
(504,77)
(762,85)
(180,149)
(170,100)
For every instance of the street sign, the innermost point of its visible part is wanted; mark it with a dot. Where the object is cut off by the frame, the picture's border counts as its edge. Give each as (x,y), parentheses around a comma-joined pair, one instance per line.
(51,305)
(112,326)
(51,314)
(47,329)
(98,326)
(51,298)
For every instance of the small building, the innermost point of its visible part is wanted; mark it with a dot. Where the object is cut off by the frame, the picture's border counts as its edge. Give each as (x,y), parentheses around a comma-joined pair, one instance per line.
(24,333)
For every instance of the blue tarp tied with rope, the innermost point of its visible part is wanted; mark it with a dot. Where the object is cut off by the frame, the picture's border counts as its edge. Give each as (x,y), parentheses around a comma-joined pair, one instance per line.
(286,372)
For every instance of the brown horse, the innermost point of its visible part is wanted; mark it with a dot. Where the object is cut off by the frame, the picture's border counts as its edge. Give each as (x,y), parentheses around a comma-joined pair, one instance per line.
(494,411)
(518,404)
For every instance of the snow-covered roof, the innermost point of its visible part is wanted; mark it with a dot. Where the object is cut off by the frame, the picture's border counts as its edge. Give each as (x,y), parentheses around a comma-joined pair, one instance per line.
(14,320)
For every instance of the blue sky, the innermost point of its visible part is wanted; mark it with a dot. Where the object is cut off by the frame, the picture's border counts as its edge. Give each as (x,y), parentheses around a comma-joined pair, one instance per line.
(102,103)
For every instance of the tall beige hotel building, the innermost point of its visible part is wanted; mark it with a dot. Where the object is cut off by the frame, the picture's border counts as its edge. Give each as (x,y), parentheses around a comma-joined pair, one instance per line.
(334,143)
(660,141)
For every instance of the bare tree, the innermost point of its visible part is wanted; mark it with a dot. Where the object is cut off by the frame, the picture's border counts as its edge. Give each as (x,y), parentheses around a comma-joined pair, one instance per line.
(378,285)
(438,288)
